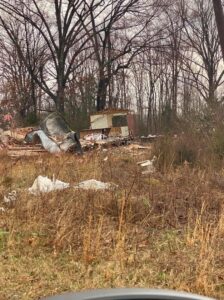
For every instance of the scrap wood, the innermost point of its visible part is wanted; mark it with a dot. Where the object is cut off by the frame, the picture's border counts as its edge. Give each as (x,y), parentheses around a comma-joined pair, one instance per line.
(112,142)
(17,151)
(13,134)
(148,165)
(18,133)
(137,147)
(26,148)
(20,153)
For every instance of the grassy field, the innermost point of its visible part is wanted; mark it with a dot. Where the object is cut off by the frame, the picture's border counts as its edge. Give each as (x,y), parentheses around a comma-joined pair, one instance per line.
(164,230)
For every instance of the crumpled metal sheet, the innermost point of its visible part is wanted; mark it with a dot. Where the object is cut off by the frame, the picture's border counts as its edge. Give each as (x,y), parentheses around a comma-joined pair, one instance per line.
(46,142)
(55,135)
(55,125)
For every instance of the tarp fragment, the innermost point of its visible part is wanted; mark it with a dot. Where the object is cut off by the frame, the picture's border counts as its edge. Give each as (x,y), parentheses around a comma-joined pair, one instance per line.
(43,184)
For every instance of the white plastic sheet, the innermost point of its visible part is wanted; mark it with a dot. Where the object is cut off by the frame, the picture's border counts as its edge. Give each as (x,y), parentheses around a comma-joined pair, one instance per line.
(43,184)
(93,184)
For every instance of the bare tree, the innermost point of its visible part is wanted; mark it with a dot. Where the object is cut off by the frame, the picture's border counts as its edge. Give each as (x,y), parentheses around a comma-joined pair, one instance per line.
(60,32)
(17,83)
(202,53)
(118,42)
(219,17)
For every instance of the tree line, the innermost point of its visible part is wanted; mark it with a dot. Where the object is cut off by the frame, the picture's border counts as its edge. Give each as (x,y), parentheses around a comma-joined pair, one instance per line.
(160,58)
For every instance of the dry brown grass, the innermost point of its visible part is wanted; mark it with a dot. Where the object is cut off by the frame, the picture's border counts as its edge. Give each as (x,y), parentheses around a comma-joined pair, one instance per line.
(165,230)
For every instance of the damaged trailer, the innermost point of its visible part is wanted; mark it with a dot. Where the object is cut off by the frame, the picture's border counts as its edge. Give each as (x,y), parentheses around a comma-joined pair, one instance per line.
(55,135)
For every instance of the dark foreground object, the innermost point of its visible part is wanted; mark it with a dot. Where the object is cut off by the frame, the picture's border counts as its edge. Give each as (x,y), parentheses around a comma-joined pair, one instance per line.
(128,294)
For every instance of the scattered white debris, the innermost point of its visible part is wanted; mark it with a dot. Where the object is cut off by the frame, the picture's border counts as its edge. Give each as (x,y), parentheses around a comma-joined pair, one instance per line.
(137,147)
(148,165)
(43,184)
(105,159)
(2,210)
(152,136)
(10,197)
(95,137)
(93,184)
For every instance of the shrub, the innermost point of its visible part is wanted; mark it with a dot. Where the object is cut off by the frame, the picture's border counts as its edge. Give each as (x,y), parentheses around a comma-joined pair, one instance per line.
(174,151)
(218,141)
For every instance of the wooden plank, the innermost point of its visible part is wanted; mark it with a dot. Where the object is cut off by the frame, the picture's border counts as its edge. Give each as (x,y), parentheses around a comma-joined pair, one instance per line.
(26,148)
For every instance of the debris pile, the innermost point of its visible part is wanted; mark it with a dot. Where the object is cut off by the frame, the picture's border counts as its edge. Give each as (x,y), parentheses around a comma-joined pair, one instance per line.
(150,138)
(108,129)
(10,197)
(53,136)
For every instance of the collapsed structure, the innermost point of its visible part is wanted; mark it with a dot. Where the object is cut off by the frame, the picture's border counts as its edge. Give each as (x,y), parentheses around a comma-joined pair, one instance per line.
(116,123)
(55,135)
(107,128)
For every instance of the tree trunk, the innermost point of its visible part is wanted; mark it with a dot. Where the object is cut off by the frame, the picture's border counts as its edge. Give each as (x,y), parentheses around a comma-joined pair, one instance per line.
(60,99)
(33,95)
(102,93)
(219,16)
(211,96)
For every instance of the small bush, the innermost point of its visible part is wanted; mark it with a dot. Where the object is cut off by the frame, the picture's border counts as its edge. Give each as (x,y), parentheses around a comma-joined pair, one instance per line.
(218,142)
(31,119)
(174,151)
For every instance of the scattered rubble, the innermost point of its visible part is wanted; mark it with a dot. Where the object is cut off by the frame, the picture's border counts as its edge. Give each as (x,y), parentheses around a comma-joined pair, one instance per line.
(46,142)
(148,166)
(10,197)
(111,123)
(95,137)
(93,184)
(150,138)
(43,184)
(137,147)
(112,128)
(53,135)
(20,151)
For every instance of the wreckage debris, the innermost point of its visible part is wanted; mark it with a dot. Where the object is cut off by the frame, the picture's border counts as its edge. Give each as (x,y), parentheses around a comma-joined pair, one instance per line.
(108,129)
(93,184)
(111,123)
(95,137)
(25,151)
(137,147)
(46,142)
(43,184)
(148,166)
(10,197)
(55,135)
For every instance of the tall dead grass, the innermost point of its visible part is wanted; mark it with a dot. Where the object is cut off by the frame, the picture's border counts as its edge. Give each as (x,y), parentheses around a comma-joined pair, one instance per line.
(160,230)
